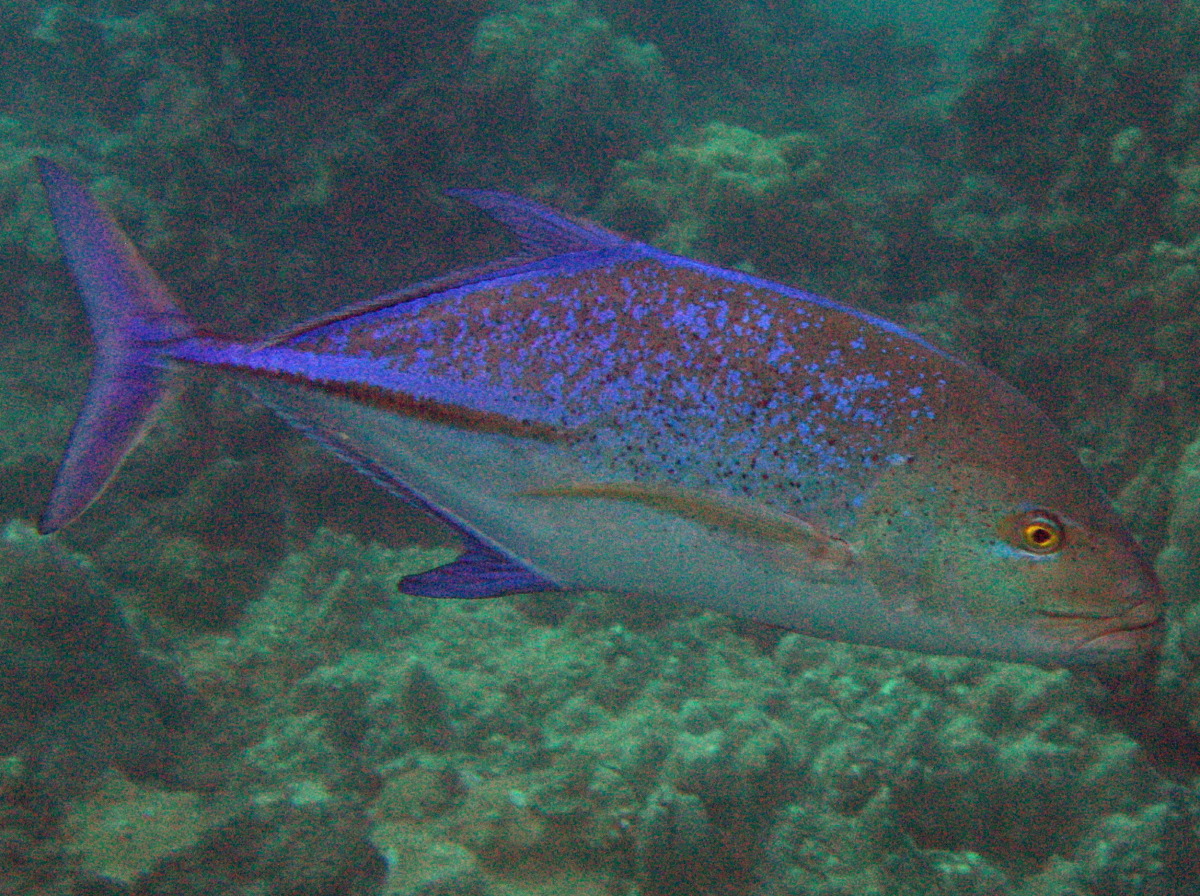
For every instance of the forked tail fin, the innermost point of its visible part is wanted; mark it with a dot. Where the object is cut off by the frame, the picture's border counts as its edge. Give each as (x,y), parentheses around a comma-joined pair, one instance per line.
(134,320)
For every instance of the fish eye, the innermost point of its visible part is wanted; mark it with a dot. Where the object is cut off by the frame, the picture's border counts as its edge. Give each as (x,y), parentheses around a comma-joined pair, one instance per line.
(1040,532)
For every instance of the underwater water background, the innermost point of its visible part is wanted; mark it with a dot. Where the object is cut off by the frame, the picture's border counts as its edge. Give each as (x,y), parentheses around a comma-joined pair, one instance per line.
(209,684)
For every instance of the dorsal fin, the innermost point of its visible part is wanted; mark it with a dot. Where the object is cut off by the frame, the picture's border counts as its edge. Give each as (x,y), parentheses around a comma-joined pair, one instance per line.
(541,230)
(400,296)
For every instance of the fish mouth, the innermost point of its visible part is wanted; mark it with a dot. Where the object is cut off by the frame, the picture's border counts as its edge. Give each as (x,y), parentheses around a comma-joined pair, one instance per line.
(1136,628)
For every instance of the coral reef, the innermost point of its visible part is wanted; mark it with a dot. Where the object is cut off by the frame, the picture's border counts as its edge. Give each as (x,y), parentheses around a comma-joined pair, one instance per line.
(81,690)
(720,767)
(706,195)
(564,88)
(1079,127)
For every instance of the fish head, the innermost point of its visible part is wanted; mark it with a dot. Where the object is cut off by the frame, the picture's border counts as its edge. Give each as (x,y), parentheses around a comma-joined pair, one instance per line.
(1003,546)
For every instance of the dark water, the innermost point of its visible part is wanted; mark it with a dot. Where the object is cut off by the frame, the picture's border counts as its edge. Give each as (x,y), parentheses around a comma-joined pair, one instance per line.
(209,683)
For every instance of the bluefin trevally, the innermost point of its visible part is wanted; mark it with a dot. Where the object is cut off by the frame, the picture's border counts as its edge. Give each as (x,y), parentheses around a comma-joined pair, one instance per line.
(599,414)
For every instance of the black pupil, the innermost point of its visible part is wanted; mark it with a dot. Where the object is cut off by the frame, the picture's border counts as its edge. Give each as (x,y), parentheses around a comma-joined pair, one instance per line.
(1041,536)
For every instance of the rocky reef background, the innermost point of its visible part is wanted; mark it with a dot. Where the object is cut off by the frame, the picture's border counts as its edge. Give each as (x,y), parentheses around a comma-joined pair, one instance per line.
(210,685)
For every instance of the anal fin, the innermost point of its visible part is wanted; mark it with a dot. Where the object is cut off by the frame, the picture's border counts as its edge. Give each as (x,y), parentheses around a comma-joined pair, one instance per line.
(479,572)
(483,570)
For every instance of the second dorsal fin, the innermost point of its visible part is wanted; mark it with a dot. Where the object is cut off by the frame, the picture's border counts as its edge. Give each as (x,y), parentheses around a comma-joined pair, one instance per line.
(541,230)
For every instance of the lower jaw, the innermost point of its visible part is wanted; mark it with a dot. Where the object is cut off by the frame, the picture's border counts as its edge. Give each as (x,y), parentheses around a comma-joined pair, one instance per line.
(1127,642)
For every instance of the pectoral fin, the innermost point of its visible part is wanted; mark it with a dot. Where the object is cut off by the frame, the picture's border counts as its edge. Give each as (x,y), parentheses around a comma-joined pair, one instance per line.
(790,539)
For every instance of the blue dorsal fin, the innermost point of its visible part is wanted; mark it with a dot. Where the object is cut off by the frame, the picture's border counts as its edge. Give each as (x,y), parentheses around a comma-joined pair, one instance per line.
(541,230)
(479,572)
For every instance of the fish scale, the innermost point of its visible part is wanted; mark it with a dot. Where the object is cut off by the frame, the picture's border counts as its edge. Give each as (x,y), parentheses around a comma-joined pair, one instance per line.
(725,384)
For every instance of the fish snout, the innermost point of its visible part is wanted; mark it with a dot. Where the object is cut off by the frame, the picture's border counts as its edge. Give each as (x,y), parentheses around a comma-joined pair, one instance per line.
(1130,621)
(1137,628)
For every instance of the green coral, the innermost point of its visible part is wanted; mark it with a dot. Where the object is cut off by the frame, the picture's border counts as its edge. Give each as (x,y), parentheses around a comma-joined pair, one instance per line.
(24,222)
(560,83)
(1179,563)
(761,203)
(682,195)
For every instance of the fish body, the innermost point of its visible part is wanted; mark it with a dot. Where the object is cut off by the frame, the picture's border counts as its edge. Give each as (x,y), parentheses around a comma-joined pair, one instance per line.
(600,414)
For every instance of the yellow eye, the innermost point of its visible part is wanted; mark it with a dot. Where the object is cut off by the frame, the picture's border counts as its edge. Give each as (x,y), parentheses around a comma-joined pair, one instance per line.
(1040,533)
